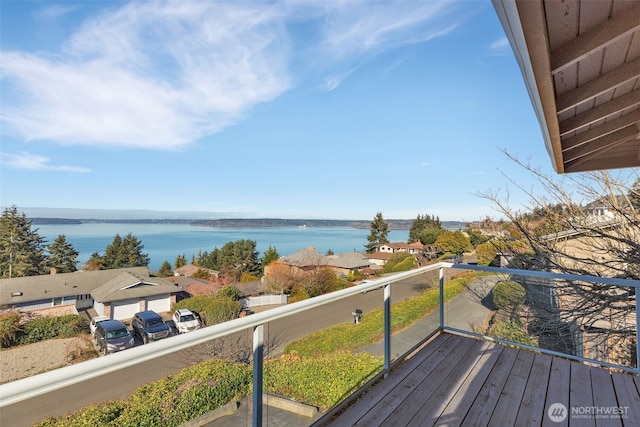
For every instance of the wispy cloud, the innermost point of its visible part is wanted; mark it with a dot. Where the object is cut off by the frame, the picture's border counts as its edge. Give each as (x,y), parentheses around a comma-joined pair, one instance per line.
(332,82)
(500,47)
(54,12)
(160,75)
(25,160)
(426,164)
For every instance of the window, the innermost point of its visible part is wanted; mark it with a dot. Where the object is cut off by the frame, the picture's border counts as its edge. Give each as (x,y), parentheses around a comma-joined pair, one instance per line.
(57,301)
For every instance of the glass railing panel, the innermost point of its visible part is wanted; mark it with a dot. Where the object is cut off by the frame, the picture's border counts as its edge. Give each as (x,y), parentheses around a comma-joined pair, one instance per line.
(577,316)
(468,299)
(414,311)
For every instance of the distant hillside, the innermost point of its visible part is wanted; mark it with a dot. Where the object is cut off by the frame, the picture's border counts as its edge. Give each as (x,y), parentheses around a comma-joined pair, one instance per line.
(394,224)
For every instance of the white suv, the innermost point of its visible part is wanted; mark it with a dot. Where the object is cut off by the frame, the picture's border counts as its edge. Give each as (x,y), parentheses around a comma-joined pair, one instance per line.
(185,320)
(94,322)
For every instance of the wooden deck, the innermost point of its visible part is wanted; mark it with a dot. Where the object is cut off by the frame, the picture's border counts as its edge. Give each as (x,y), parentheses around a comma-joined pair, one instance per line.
(462,381)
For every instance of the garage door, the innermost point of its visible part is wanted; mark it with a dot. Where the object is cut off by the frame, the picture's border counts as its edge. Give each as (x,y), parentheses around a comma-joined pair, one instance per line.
(124,309)
(159,304)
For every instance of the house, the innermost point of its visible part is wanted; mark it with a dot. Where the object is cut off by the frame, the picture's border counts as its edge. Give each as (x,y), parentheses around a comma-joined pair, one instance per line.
(415,248)
(117,293)
(308,259)
(190,270)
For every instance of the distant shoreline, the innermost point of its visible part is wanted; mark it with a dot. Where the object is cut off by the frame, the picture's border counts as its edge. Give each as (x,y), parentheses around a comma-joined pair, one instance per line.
(394,224)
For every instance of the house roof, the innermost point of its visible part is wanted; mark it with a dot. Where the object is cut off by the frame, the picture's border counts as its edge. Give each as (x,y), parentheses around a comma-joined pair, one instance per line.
(348,260)
(35,288)
(580,61)
(127,285)
(306,257)
(190,269)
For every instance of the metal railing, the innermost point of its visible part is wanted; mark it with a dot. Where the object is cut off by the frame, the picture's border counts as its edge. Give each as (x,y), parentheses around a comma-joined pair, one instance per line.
(31,387)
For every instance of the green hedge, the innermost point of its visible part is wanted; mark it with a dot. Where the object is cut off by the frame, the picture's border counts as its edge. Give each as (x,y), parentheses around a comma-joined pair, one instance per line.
(217,310)
(348,336)
(508,295)
(168,402)
(40,329)
(320,381)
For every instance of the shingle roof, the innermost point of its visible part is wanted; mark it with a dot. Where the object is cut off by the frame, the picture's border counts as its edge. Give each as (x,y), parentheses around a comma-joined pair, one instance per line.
(127,285)
(305,258)
(35,288)
(350,260)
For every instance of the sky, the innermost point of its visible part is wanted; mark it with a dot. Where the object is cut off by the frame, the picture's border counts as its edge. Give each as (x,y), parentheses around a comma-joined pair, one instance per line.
(289,109)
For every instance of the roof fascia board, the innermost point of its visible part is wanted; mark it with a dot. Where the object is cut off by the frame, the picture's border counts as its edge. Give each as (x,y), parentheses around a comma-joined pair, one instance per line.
(525,26)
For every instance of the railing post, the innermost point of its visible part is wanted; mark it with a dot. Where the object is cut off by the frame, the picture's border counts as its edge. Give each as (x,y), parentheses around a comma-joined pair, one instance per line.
(258,357)
(387,327)
(637,336)
(441,297)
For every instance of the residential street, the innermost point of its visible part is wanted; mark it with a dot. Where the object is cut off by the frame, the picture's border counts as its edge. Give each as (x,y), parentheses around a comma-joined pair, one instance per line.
(277,334)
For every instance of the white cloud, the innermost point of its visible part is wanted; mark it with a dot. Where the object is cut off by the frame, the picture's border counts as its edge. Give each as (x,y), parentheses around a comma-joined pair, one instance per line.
(25,160)
(426,164)
(54,12)
(159,75)
(500,47)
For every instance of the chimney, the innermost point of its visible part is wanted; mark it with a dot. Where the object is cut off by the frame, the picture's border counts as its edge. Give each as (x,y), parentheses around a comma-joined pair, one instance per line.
(53,271)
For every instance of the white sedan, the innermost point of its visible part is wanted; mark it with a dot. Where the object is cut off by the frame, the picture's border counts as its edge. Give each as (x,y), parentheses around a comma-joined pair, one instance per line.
(185,320)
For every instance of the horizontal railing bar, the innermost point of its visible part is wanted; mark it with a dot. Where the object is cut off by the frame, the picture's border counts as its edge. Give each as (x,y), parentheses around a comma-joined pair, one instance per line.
(550,275)
(37,385)
(30,387)
(540,350)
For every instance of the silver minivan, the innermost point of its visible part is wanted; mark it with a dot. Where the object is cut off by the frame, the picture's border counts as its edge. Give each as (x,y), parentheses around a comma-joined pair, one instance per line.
(112,336)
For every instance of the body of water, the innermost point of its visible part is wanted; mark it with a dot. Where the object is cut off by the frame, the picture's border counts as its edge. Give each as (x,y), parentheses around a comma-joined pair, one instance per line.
(164,242)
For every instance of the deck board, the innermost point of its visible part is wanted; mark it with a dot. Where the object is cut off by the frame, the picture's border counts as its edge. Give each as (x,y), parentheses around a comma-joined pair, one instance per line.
(457,380)
(531,410)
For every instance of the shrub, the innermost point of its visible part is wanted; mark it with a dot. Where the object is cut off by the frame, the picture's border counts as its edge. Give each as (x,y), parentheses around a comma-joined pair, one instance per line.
(231,292)
(215,309)
(320,381)
(508,295)
(171,401)
(45,328)
(511,331)
(9,329)
(400,261)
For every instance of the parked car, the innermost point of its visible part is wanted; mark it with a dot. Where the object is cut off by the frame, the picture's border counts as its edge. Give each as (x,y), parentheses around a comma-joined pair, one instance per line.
(149,326)
(185,320)
(94,322)
(111,336)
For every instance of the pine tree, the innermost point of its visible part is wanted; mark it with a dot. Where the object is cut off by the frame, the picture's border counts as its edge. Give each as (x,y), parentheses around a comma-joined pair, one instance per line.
(271,254)
(379,232)
(62,255)
(123,253)
(180,261)
(21,247)
(165,270)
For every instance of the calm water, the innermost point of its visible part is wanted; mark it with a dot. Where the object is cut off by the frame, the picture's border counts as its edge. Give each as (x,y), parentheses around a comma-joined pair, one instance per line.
(164,242)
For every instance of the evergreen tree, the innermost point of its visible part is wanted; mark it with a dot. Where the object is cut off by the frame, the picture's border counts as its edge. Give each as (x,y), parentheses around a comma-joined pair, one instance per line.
(94,263)
(240,255)
(21,247)
(165,270)
(123,253)
(453,241)
(379,232)
(180,261)
(62,255)
(271,254)
(425,229)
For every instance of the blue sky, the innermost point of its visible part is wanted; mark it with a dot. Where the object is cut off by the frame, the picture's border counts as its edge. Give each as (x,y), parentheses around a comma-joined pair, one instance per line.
(292,109)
